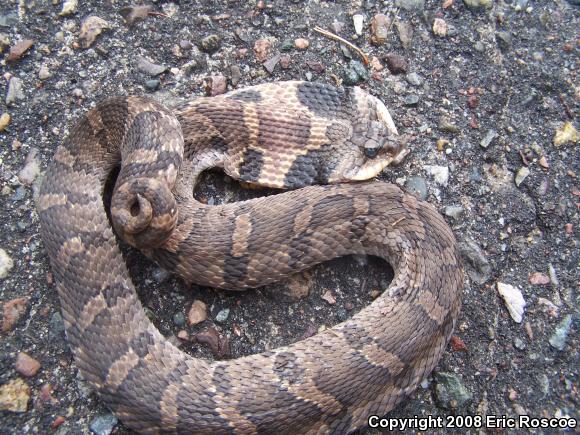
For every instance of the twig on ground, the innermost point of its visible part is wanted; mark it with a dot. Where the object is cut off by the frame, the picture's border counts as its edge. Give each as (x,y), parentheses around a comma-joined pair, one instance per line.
(331,35)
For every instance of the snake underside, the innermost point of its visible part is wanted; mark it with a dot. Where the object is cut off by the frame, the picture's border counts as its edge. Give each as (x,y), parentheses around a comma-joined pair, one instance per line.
(285,135)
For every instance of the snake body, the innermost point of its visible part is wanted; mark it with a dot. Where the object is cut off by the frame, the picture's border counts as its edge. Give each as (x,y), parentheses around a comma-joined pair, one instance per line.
(286,135)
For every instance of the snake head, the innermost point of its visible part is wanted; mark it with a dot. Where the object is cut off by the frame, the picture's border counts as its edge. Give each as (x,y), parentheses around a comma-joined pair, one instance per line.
(374,144)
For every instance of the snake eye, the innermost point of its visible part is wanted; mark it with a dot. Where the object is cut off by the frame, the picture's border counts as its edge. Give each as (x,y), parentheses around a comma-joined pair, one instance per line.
(371,153)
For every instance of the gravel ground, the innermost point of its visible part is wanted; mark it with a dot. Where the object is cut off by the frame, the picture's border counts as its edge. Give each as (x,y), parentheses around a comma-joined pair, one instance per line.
(488,89)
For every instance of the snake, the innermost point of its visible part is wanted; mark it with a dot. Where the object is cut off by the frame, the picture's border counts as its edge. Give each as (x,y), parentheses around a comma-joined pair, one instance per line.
(319,143)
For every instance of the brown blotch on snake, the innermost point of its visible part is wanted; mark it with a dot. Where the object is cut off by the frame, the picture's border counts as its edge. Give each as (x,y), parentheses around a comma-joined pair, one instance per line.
(328,383)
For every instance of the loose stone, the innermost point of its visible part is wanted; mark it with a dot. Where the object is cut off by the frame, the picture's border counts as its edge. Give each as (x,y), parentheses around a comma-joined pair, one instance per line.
(450,391)
(14,396)
(197,313)
(26,365)
(396,63)
(14,91)
(417,186)
(210,44)
(103,424)
(379,29)
(223,315)
(146,66)
(301,43)
(6,264)
(358,21)
(558,338)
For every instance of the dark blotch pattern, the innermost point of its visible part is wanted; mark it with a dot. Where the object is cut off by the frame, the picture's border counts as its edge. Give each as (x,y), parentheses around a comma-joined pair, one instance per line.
(250,169)
(326,101)
(247,96)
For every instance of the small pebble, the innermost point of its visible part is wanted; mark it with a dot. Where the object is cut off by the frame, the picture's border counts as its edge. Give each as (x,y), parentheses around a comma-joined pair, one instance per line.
(288,44)
(262,49)
(521,175)
(179,318)
(4,121)
(14,91)
(513,299)
(58,421)
(56,326)
(271,63)
(478,4)
(197,313)
(450,391)
(411,100)
(146,66)
(103,424)
(376,64)
(538,278)
(396,63)
(453,211)
(417,186)
(405,31)
(26,365)
(439,27)
(553,276)
(18,50)
(6,264)
(473,101)
(355,73)
(14,396)
(69,7)
(440,173)
(184,44)
(210,44)
(329,297)
(341,315)
(358,21)
(488,138)
(235,74)
(31,168)
(301,43)
(414,79)
(298,287)
(223,315)
(566,134)
(216,85)
(379,29)
(558,338)
(411,5)
(504,40)
(219,344)
(183,335)
(544,383)
(12,311)
(285,61)
(44,73)
(91,27)
(519,344)
(152,84)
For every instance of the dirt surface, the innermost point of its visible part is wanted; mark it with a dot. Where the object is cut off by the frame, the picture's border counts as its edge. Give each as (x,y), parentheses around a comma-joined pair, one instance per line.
(452,75)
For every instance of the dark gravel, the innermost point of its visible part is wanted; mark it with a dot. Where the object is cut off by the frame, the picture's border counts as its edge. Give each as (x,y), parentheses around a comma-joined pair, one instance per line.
(483,101)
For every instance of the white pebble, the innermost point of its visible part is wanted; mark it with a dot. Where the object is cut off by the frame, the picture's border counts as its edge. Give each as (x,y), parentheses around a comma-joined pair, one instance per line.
(514,300)
(439,173)
(358,20)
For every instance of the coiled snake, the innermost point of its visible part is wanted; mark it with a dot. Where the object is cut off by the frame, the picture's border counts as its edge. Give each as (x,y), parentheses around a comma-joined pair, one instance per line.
(287,135)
